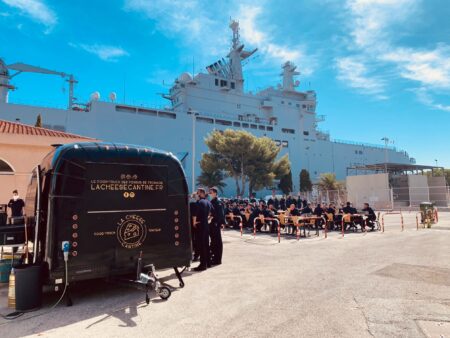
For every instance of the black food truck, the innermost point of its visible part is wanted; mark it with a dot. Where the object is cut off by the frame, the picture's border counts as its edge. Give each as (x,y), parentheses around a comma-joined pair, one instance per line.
(97,210)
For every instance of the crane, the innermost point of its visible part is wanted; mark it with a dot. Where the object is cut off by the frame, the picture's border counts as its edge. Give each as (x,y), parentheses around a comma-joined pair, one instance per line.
(20,67)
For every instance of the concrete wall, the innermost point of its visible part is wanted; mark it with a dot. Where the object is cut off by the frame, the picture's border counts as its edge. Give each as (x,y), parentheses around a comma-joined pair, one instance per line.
(418,189)
(438,191)
(373,189)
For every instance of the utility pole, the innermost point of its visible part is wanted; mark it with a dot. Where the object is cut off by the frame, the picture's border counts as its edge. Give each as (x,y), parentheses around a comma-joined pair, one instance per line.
(194,115)
(386,141)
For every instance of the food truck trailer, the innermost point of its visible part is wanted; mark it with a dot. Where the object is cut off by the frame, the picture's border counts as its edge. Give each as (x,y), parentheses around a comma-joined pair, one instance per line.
(102,210)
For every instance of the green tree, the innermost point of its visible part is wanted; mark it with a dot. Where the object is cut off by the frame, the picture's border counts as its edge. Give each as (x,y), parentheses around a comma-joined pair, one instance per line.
(38,121)
(245,158)
(328,181)
(305,181)
(285,184)
(212,179)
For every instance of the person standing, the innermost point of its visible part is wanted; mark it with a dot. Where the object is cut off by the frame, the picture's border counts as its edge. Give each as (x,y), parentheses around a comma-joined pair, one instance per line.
(195,234)
(218,220)
(203,210)
(16,204)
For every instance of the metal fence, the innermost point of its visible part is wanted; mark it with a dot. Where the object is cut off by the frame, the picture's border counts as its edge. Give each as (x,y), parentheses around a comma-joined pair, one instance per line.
(404,197)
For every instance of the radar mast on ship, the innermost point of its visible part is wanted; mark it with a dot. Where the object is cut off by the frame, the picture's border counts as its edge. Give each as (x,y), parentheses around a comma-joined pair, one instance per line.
(232,69)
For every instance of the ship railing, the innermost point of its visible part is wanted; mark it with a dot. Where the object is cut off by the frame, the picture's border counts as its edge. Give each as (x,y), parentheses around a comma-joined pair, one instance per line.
(371,145)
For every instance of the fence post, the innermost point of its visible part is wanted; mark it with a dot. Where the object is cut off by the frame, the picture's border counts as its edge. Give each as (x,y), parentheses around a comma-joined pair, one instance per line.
(392,199)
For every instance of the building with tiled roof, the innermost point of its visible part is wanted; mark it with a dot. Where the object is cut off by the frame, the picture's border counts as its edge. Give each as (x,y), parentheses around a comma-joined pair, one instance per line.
(22,147)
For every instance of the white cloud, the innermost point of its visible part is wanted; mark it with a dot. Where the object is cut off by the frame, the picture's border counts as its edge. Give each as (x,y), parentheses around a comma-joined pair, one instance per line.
(36,10)
(374,30)
(104,52)
(430,68)
(372,18)
(354,73)
(424,97)
(205,25)
(255,36)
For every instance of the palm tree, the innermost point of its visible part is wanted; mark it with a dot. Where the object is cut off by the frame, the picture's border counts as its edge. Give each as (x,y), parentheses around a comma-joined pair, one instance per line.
(212,179)
(327,181)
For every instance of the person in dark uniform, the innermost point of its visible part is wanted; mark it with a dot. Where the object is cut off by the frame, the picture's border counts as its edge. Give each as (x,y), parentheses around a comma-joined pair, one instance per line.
(307,209)
(195,234)
(16,204)
(348,209)
(204,208)
(371,217)
(218,219)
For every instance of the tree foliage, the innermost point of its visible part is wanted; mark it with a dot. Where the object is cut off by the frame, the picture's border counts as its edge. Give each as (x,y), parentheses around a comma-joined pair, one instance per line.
(212,179)
(38,121)
(285,184)
(305,181)
(245,158)
(328,181)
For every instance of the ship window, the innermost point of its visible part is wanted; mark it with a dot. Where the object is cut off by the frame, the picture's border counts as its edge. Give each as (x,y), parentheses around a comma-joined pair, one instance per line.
(253,126)
(148,111)
(306,133)
(205,120)
(356,151)
(223,122)
(245,125)
(278,143)
(262,128)
(126,109)
(232,85)
(360,152)
(282,102)
(167,115)
(223,83)
(59,127)
(236,124)
(238,106)
(216,81)
(304,106)
(269,128)
(290,103)
(288,131)
(285,144)
(298,105)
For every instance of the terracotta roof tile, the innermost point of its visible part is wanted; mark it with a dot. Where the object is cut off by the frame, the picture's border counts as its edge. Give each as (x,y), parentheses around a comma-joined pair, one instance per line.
(8,127)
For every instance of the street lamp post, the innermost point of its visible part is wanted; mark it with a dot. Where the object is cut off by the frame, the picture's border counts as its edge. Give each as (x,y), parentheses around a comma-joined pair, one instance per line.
(193,150)
(386,141)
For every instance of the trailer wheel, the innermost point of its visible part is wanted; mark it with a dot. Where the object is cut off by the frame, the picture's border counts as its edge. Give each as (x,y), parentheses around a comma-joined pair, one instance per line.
(164,292)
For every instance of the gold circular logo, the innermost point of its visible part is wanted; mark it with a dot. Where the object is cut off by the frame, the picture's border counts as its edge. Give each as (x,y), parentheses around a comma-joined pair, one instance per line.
(132,232)
(126,194)
(132,194)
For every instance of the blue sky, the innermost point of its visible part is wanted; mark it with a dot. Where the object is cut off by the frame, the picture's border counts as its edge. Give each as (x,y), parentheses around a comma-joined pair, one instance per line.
(379,67)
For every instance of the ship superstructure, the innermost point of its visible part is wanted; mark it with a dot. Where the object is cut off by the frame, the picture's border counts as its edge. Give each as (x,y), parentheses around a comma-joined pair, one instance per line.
(199,104)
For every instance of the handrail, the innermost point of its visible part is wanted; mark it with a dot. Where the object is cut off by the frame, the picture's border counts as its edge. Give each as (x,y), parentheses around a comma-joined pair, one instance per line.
(238,217)
(264,219)
(417,219)
(392,213)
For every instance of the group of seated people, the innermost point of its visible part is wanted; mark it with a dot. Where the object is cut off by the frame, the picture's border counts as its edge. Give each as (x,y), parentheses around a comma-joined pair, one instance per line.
(259,213)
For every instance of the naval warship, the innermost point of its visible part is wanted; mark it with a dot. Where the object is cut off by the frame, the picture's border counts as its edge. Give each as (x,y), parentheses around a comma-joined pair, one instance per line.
(211,100)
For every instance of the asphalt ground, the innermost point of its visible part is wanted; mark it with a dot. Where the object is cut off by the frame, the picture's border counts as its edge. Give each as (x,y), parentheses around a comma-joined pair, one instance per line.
(391,284)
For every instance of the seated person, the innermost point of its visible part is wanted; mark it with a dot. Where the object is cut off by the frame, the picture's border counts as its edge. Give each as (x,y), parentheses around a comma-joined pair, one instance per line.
(348,209)
(307,210)
(292,210)
(371,217)
(318,211)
